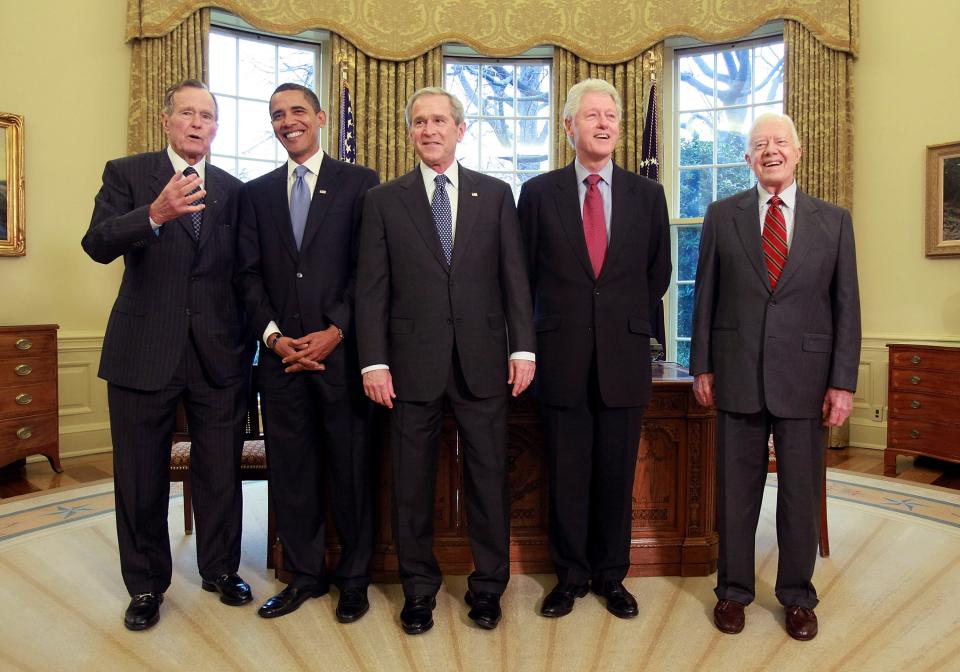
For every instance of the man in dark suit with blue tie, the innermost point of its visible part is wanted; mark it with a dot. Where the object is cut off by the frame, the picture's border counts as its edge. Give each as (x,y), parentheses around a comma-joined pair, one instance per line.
(176,333)
(443,316)
(598,243)
(776,347)
(299,228)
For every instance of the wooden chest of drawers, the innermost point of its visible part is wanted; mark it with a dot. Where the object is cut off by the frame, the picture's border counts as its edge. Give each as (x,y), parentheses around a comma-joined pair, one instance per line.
(29,423)
(924,404)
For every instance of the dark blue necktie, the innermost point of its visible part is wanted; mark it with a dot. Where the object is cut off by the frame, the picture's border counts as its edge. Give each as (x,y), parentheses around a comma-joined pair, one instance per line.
(196,217)
(442,216)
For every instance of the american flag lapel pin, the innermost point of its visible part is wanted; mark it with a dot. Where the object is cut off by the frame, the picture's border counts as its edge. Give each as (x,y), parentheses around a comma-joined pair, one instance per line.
(322,191)
(474,194)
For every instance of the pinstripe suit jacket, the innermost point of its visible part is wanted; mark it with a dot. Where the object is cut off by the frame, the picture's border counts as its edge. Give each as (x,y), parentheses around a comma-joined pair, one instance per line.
(172,285)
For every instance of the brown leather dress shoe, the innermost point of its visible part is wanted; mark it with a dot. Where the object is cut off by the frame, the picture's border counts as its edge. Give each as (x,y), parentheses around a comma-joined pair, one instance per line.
(801,623)
(728,616)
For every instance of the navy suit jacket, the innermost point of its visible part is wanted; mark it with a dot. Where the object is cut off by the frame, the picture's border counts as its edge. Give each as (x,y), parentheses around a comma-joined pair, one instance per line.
(309,289)
(777,349)
(172,285)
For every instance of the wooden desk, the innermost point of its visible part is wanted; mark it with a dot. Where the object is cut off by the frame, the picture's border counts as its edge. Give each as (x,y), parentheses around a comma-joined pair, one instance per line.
(674,528)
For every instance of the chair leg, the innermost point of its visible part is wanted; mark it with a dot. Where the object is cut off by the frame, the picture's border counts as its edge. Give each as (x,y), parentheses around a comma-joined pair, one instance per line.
(187,507)
(824,534)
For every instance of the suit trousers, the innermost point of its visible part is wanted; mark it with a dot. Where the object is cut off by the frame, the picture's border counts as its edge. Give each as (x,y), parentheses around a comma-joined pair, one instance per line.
(141,427)
(318,435)
(742,457)
(415,439)
(591,462)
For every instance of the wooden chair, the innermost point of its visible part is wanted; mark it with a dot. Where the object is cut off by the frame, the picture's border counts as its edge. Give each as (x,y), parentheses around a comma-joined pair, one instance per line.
(253,463)
(824,535)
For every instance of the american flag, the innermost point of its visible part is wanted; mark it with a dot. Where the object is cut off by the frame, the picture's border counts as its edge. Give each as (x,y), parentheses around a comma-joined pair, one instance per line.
(348,138)
(649,166)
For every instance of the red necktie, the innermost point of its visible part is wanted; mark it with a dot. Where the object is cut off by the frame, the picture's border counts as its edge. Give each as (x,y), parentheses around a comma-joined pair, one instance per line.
(594,224)
(774,241)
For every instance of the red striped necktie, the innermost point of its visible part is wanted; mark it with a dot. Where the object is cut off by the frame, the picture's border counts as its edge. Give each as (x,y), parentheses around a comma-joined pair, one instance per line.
(774,240)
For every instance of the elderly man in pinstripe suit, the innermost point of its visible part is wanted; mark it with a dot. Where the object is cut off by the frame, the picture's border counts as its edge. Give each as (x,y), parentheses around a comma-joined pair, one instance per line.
(175,333)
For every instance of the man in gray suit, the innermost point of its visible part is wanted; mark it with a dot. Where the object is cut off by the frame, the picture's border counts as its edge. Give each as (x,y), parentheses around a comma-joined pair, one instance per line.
(442,303)
(776,346)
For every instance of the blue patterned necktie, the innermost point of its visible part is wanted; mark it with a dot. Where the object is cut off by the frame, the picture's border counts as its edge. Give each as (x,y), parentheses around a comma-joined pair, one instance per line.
(442,216)
(195,217)
(299,204)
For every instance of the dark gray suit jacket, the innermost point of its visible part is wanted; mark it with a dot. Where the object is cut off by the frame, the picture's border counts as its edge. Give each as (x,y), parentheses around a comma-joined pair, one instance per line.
(412,308)
(782,349)
(171,285)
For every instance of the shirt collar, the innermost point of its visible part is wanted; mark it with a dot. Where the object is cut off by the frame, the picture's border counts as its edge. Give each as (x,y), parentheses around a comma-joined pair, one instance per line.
(452,172)
(180,164)
(582,173)
(312,164)
(788,195)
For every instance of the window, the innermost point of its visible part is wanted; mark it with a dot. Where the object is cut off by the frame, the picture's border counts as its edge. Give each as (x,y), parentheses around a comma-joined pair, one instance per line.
(245,68)
(508,114)
(718,92)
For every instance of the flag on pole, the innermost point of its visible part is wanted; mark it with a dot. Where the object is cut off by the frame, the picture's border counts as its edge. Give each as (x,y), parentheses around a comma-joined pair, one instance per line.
(650,167)
(348,138)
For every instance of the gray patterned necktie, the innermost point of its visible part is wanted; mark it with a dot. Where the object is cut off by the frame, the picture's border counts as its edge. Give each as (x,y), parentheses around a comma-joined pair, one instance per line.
(196,217)
(299,204)
(442,216)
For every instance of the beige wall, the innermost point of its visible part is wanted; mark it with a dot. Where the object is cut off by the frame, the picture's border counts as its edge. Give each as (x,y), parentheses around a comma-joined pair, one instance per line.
(66,70)
(907,96)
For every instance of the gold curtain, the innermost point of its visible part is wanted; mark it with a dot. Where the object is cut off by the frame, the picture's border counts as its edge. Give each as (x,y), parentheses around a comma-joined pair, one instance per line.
(630,78)
(819,98)
(379,90)
(156,63)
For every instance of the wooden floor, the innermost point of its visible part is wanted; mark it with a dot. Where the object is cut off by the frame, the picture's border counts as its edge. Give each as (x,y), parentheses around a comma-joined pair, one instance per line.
(20,479)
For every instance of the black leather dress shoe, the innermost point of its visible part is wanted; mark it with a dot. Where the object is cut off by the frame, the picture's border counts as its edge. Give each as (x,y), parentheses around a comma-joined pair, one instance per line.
(233,590)
(143,611)
(290,598)
(416,617)
(560,600)
(620,602)
(485,609)
(352,605)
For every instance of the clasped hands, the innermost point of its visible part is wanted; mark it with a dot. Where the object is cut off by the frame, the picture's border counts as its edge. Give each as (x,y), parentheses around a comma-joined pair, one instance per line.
(177,199)
(307,352)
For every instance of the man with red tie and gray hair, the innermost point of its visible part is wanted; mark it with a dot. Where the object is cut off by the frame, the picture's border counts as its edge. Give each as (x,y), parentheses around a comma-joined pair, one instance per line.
(776,347)
(598,250)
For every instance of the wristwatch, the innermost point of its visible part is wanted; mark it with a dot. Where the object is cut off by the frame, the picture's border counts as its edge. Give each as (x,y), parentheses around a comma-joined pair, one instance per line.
(272,341)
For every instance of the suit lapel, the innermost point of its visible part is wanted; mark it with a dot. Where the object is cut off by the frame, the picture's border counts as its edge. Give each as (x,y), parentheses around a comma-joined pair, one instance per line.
(468,207)
(620,215)
(324,193)
(414,198)
(571,220)
(805,225)
(747,223)
(279,206)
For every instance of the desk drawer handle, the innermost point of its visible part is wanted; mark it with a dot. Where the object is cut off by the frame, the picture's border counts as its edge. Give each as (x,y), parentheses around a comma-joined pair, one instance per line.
(914,433)
(23,344)
(23,369)
(914,380)
(25,433)
(24,398)
(915,359)
(915,404)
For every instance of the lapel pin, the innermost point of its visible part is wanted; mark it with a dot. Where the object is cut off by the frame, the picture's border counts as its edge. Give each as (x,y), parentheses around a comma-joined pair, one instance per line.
(322,191)
(474,194)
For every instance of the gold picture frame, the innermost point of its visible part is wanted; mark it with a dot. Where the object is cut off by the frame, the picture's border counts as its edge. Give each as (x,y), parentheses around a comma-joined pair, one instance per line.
(12,238)
(943,200)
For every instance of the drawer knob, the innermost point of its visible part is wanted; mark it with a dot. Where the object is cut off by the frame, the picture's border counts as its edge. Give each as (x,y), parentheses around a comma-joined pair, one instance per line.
(24,398)
(914,433)
(915,359)
(914,380)
(915,403)
(23,344)
(25,433)
(23,369)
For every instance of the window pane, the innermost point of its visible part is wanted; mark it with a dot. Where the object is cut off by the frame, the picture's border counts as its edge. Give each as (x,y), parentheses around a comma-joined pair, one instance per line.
(296,65)
(496,145)
(695,89)
(533,91)
(683,353)
(497,90)
(696,191)
(462,82)
(247,169)
(688,250)
(732,180)
(255,134)
(732,129)
(734,77)
(258,68)
(696,139)
(228,163)
(225,141)
(468,151)
(685,310)
(533,144)
(768,73)
(223,64)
